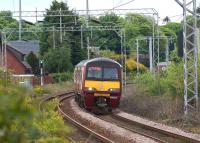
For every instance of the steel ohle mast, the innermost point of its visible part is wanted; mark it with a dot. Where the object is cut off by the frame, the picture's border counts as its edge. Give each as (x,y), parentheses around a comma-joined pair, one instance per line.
(190,55)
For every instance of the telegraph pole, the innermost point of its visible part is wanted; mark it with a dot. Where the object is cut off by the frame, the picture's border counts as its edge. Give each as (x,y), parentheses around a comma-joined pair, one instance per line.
(60,27)
(20,21)
(54,42)
(81,37)
(137,55)
(87,19)
(167,51)
(1,49)
(150,54)
(88,47)
(87,12)
(125,58)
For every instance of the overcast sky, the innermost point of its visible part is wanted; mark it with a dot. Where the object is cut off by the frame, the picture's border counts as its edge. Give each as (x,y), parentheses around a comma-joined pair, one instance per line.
(164,7)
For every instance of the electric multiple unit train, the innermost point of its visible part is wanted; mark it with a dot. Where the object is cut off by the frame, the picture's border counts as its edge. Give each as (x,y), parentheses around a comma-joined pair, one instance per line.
(98,83)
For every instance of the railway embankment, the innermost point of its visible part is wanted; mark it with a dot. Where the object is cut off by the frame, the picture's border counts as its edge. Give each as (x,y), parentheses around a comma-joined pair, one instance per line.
(163,109)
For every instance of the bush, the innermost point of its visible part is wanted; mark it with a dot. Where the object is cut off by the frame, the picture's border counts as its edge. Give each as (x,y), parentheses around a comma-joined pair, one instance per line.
(57,60)
(22,122)
(60,77)
(5,77)
(132,66)
(50,124)
(167,83)
(110,54)
(40,90)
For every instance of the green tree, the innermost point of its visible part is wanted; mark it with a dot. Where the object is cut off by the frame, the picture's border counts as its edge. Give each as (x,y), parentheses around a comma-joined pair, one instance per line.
(71,39)
(33,61)
(48,38)
(7,22)
(166,20)
(58,60)
(77,54)
(137,26)
(107,39)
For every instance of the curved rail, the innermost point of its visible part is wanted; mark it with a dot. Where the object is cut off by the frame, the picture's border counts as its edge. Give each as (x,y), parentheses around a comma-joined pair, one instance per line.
(64,96)
(132,130)
(170,134)
(143,134)
(82,127)
(47,98)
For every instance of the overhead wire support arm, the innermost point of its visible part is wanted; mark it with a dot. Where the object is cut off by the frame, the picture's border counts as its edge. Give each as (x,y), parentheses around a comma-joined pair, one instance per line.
(96,12)
(189,10)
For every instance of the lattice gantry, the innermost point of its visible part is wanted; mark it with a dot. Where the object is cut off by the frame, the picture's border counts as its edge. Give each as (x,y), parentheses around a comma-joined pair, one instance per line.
(190,55)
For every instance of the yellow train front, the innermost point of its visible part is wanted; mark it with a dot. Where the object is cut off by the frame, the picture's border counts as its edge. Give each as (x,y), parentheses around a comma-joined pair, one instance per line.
(98,83)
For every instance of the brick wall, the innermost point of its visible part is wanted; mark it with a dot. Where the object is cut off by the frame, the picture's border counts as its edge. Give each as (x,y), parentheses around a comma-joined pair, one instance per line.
(36,80)
(14,64)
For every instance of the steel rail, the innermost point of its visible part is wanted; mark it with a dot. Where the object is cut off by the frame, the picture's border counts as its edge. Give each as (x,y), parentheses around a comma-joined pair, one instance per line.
(82,127)
(45,99)
(181,137)
(64,96)
(132,130)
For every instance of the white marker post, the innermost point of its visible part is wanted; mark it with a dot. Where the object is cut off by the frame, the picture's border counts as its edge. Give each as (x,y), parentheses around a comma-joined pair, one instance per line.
(41,73)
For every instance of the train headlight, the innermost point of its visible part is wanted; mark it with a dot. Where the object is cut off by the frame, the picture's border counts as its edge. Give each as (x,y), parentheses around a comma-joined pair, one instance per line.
(90,89)
(114,90)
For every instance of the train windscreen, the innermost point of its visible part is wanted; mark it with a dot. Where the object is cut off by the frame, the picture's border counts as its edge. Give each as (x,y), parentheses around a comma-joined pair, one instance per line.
(105,73)
(110,73)
(94,73)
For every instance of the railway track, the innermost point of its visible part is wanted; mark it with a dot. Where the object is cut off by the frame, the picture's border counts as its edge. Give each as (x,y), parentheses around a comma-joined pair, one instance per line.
(165,135)
(158,135)
(48,98)
(65,96)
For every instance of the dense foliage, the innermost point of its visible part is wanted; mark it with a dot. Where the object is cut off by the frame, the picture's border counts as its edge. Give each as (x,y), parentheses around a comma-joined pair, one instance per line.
(21,121)
(33,61)
(68,40)
(167,83)
(57,60)
(60,77)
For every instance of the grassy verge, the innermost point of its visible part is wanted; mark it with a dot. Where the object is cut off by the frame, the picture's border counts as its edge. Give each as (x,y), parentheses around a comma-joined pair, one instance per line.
(53,88)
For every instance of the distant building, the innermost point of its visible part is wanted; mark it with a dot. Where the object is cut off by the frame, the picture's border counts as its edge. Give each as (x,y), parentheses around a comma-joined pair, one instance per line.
(161,66)
(16,53)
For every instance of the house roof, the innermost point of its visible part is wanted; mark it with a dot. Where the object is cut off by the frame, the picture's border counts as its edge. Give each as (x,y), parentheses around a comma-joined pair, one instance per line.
(25,47)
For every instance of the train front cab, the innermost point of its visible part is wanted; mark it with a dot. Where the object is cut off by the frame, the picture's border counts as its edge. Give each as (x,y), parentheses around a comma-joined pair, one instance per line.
(102,85)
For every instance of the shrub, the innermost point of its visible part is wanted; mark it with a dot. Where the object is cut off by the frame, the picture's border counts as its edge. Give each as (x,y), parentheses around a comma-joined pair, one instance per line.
(110,54)
(50,124)
(39,90)
(132,65)
(59,77)
(167,83)
(5,76)
(22,122)
(57,60)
